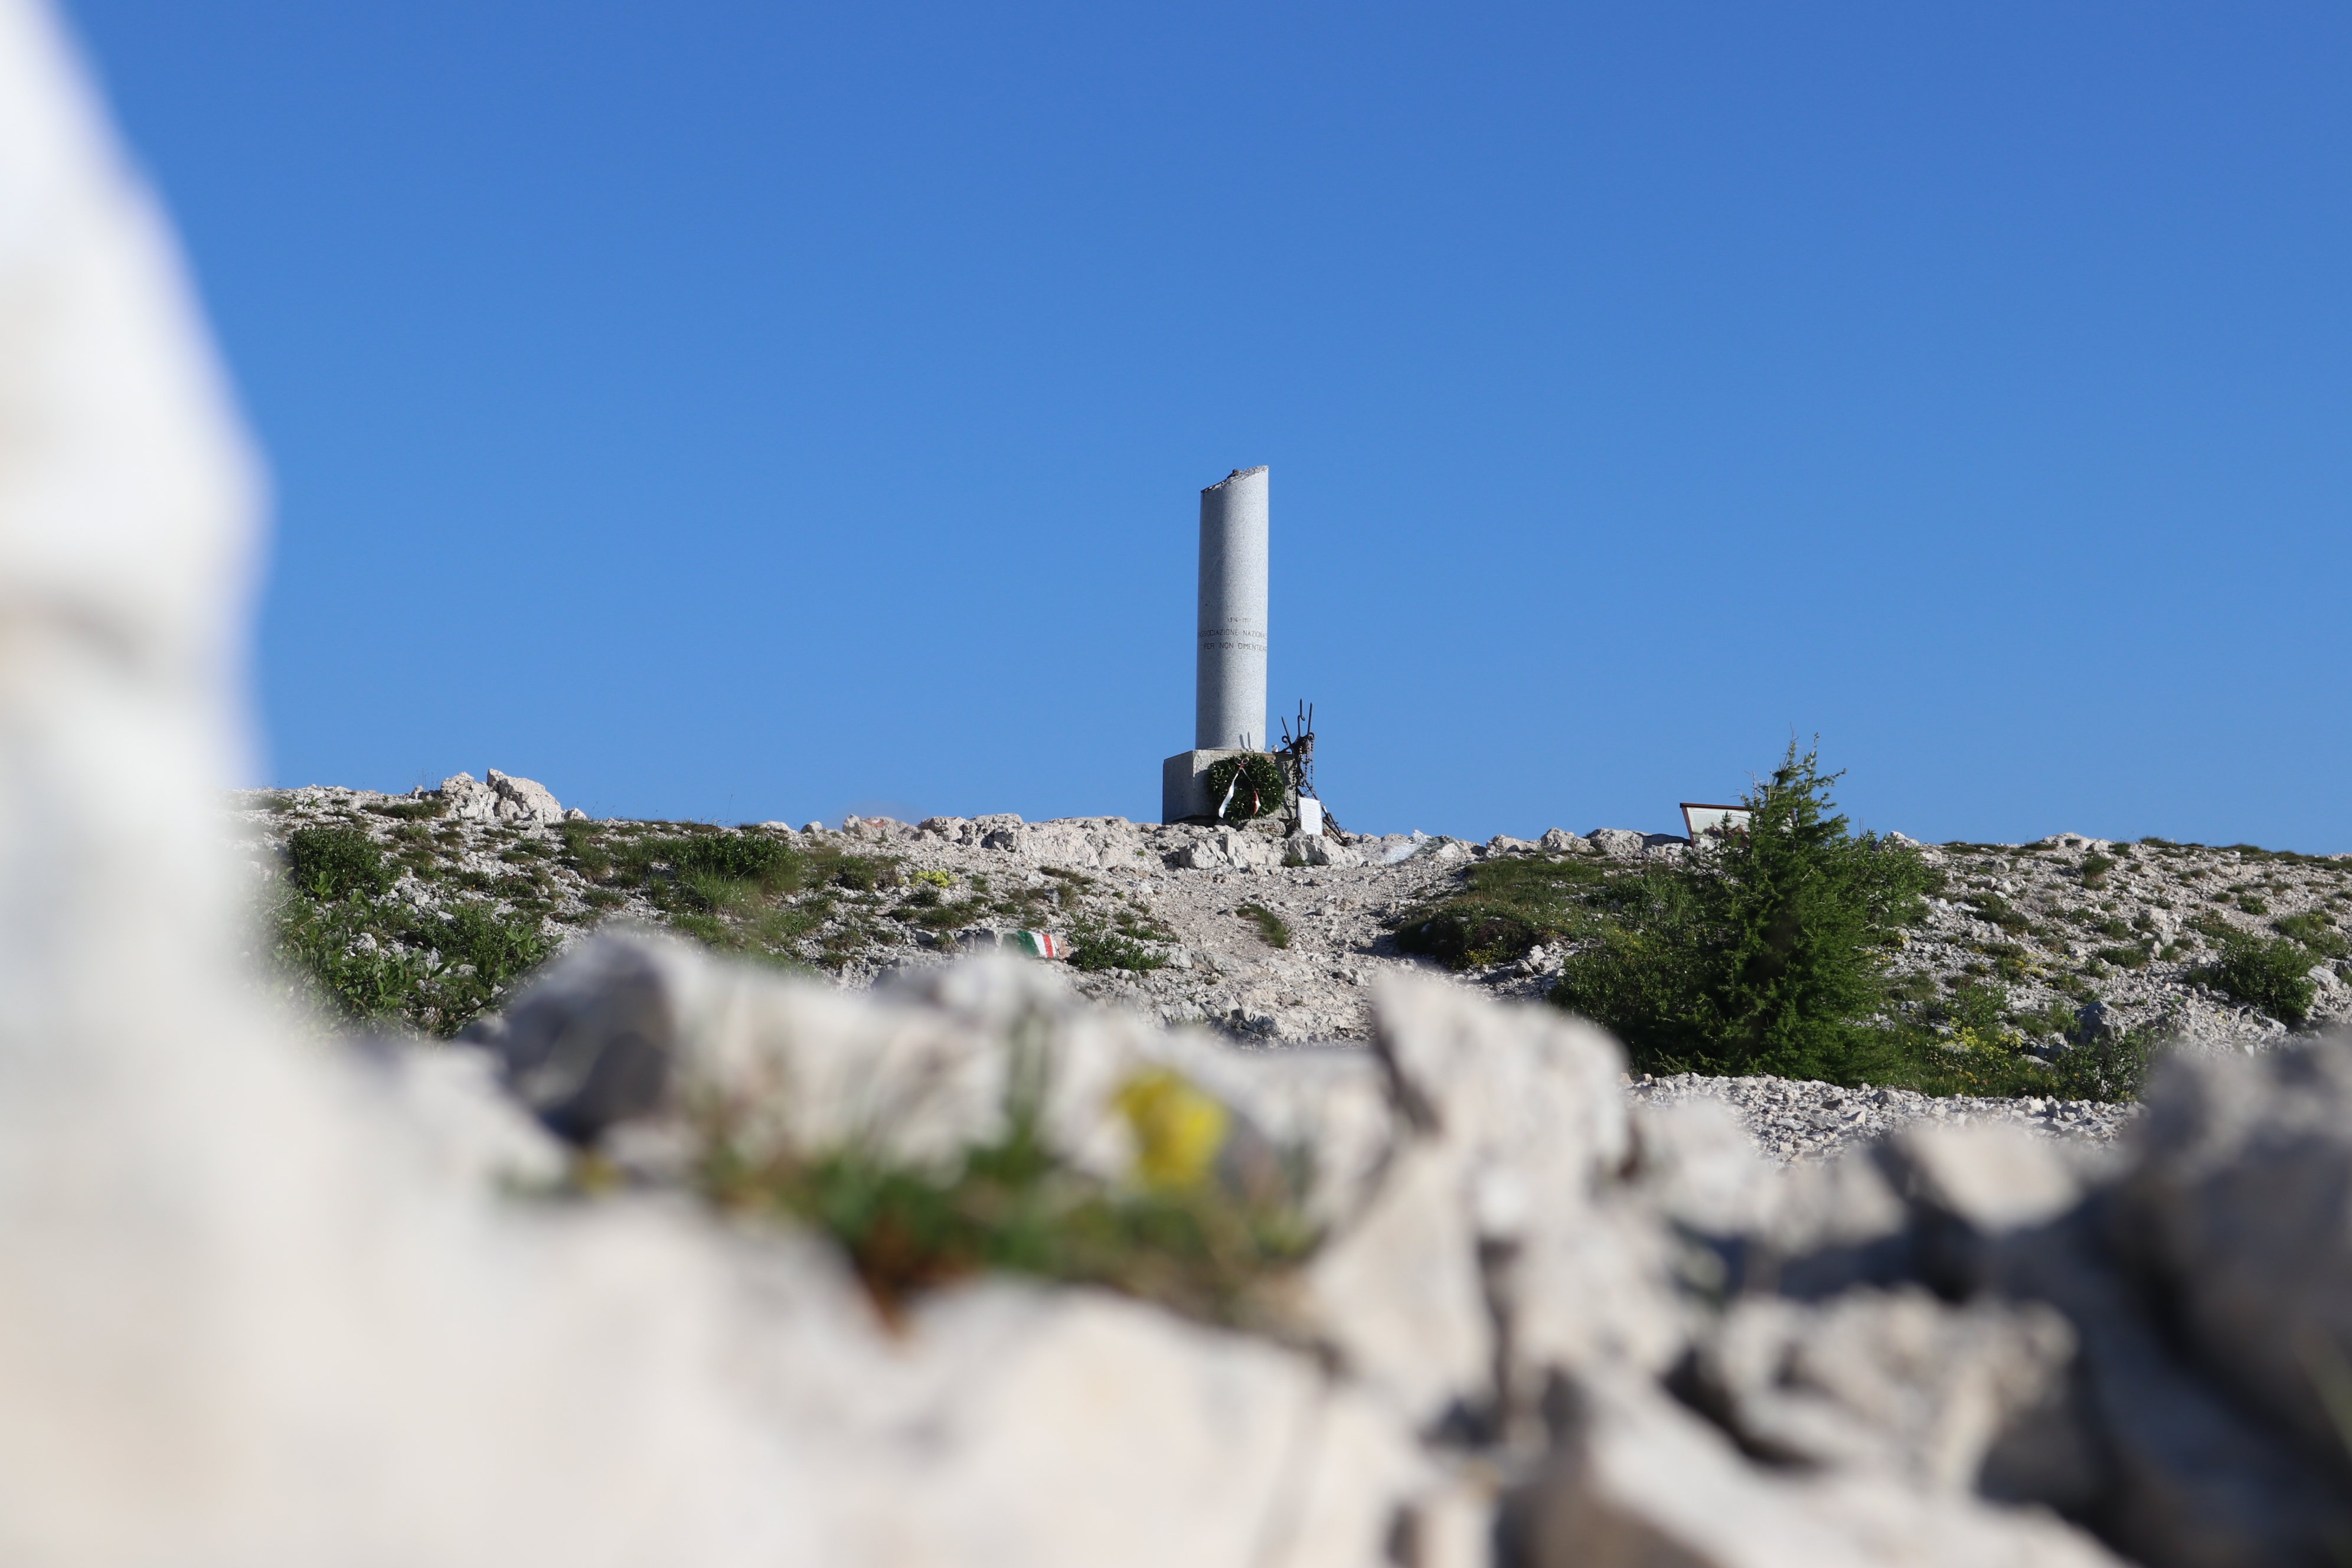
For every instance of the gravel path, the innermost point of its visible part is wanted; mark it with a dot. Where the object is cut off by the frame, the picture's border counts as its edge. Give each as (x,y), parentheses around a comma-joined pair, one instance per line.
(1794,1120)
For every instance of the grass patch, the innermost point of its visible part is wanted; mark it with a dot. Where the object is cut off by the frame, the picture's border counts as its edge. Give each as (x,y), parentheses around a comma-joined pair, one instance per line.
(2315,931)
(1504,908)
(1196,1227)
(418,810)
(1999,911)
(1272,929)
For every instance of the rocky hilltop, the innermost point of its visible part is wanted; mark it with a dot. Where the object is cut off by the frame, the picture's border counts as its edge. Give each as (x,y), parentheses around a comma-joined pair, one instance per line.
(2058,921)
(1280,941)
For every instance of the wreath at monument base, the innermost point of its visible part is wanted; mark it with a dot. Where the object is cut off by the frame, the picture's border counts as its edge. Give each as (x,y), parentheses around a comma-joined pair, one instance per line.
(1264,789)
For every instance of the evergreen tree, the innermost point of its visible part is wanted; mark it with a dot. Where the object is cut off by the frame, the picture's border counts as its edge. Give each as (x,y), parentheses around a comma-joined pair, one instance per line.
(1765,953)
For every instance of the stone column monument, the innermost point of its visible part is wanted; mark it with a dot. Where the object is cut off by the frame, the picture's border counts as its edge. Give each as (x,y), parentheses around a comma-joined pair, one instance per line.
(1229,713)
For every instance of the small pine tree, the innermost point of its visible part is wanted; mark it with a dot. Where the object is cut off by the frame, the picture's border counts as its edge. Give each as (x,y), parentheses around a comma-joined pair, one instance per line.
(1765,955)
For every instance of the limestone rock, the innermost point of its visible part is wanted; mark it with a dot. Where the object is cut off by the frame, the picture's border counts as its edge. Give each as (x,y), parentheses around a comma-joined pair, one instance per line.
(593,1040)
(1895,1380)
(1199,855)
(1228,849)
(1635,1480)
(472,1130)
(1617,842)
(1320,849)
(1159,1443)
(1696,1165)
(2241,1197)
(2191,1479)
(465,798)
(1559,841)
(1526,1089)
(525,801)
(1399,1297)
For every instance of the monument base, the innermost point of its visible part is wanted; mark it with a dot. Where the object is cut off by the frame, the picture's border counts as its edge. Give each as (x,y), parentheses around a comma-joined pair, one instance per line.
(1184,784)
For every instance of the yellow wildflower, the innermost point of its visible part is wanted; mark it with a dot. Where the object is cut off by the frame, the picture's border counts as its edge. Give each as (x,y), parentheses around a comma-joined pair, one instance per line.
(1178,1129)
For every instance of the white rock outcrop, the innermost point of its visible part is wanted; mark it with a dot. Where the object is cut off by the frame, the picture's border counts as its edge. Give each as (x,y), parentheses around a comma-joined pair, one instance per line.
(501,797)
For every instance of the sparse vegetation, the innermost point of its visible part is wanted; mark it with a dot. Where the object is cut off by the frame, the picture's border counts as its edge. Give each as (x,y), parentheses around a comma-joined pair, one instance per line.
(2315,931)
(1199,1228)
(1997,909)
(1505,906)
(417,810)
(373,959)
(1271,927)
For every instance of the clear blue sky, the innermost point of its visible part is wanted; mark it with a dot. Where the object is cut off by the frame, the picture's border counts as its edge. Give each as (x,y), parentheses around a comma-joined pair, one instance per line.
(748,411)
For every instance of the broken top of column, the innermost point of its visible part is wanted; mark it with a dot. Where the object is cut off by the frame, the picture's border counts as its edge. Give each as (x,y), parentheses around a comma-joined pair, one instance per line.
(1230,710)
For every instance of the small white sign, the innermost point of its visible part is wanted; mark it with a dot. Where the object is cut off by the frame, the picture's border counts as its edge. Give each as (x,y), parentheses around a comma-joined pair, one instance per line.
(1702,821)
(1310,816)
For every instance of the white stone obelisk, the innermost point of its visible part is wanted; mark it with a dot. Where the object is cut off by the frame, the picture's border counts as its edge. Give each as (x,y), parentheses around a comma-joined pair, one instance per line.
(1230,701)
(1229,697)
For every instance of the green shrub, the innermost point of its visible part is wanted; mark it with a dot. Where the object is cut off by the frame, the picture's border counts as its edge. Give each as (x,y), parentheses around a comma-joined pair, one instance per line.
(2110,1067)
(2125,957)
(500,948)
(1765,956)
(2269,973)
(2095,868)
(1096,951)
(319,944)
(945,917)
(375,963)
(332,863)
(2252,905)
(1978,1011)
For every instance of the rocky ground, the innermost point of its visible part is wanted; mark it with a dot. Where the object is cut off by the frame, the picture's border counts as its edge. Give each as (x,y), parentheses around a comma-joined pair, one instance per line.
(1224,927)
(1792,1121)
